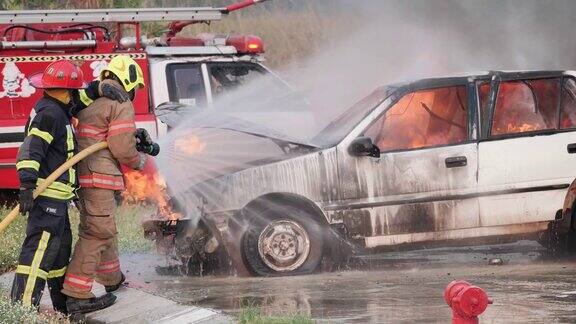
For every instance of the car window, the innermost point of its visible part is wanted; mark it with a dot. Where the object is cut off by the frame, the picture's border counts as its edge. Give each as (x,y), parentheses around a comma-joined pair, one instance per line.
(422,119)
(526,106)
(342,125)
(186,84)
(568,104)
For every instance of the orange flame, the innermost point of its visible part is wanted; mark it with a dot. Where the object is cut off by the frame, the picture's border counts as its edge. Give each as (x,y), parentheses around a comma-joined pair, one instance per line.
(148,187)
(190,145)
(423,118)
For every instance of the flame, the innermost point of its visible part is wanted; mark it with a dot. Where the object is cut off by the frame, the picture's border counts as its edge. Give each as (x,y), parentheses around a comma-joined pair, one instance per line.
(148,187)
(190,145)
(438,117)
(423,118)
(511,128)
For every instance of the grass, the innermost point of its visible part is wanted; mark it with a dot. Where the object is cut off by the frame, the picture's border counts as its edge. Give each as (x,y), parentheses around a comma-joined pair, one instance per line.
(18,313)
(253,315)
(130,234)
(11,241)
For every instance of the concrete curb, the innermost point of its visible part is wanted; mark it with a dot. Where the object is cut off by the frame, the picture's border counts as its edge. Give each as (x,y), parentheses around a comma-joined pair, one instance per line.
(136,306)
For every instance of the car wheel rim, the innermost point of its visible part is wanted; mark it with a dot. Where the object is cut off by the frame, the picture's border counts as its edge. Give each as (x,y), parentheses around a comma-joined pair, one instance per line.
(284,245)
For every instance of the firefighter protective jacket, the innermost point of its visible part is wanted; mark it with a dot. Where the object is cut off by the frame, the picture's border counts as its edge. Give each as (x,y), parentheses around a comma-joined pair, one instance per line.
(48,144)
(111,121)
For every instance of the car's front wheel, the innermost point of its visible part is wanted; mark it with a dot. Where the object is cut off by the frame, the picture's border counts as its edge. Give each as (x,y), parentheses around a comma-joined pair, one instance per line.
(283,240)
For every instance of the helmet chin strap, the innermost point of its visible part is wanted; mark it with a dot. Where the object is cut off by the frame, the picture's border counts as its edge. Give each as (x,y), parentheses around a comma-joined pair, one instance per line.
(132,94)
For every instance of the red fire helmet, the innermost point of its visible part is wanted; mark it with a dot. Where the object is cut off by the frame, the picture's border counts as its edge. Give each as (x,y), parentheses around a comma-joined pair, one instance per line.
(59,75)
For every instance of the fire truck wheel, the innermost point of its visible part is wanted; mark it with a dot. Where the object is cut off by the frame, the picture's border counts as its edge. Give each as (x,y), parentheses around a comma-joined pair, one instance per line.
(283,240)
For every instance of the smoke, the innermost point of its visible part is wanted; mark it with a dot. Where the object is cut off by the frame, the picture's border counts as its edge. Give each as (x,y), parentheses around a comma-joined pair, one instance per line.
(399,40)
(384,42)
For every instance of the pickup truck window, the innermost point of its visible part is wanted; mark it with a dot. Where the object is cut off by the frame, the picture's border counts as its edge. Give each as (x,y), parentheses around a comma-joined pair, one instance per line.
(241,84)
(422,119)
(568,104)
(526,106)
(186,85)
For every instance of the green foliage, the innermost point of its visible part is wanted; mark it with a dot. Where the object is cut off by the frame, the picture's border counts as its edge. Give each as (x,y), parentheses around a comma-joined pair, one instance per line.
(253,315)
(11,241)
(130,233)
(18,313)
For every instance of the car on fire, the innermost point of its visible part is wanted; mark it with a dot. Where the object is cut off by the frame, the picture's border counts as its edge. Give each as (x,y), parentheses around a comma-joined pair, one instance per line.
(484,156)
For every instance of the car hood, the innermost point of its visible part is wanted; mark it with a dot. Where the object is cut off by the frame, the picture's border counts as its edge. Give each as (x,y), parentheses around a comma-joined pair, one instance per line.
(180,115)
(203,146)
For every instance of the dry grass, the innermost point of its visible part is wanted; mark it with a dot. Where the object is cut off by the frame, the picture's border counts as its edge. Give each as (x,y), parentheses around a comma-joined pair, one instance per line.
(289,37)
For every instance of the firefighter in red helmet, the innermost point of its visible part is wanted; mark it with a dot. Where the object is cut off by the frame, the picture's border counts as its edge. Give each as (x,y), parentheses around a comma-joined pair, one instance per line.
(48,144)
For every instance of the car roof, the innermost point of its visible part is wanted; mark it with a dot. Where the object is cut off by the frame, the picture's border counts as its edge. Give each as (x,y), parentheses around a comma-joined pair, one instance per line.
(457,79)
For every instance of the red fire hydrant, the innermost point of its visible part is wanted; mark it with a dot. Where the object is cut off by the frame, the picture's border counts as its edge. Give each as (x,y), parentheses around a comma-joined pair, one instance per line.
(466,301)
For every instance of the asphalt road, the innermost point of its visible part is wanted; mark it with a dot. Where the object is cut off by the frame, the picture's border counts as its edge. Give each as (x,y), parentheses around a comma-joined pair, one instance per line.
(389,287)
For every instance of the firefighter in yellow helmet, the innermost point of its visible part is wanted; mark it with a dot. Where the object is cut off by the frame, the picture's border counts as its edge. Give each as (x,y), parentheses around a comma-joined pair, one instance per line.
(95,256)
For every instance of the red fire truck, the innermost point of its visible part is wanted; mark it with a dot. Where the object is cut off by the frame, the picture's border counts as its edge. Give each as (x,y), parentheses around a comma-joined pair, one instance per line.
(189,70)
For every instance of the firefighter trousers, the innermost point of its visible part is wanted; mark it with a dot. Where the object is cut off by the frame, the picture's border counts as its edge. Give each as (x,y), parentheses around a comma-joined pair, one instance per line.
(95,255)
(44,256)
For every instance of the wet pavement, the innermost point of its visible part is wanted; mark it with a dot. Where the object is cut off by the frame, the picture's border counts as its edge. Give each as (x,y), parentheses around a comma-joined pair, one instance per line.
(389,287)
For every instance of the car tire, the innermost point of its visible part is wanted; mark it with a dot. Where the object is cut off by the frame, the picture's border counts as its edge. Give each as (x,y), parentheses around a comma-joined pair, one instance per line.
(282,240)
(556,243)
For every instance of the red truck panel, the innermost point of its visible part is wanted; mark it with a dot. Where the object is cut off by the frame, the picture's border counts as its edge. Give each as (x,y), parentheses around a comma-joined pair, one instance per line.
(17,97)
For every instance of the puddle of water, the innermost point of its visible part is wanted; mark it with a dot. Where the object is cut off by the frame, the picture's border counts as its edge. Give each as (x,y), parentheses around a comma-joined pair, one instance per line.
(399,286)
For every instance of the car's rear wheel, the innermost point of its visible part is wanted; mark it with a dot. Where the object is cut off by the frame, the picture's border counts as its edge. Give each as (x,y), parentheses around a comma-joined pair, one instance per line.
(282,240)
(557,241)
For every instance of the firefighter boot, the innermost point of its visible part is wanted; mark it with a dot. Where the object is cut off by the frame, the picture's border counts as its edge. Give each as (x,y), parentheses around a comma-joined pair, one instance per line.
(78,306)
(115,287)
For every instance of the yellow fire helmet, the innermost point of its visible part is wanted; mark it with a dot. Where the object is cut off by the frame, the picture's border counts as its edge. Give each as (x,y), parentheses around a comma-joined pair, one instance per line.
(126,70)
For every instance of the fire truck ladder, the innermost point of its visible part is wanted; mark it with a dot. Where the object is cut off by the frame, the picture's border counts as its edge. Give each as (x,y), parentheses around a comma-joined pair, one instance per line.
(189,14)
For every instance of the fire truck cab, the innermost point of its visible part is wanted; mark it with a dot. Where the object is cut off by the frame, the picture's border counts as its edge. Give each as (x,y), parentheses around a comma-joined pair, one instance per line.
(188,70)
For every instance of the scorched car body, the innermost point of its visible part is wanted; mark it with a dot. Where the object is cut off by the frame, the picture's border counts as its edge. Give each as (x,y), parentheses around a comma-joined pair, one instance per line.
(480,156)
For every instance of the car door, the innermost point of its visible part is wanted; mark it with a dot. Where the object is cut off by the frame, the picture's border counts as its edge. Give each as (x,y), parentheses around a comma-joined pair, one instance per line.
(524,164)
(421,188)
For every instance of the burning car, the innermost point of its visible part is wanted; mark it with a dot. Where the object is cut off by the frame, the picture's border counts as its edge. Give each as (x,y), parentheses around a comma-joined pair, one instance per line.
(474,157)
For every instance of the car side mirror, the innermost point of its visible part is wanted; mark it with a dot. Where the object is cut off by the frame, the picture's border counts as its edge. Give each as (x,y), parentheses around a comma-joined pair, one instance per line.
(363,146)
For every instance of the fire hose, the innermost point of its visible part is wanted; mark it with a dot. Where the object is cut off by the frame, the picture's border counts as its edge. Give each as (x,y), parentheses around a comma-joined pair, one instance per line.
(52,177)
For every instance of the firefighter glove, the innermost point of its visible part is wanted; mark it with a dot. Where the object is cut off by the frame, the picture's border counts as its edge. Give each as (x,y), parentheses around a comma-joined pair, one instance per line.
(26,198)
(145,144)
(113,93)
(143,137)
